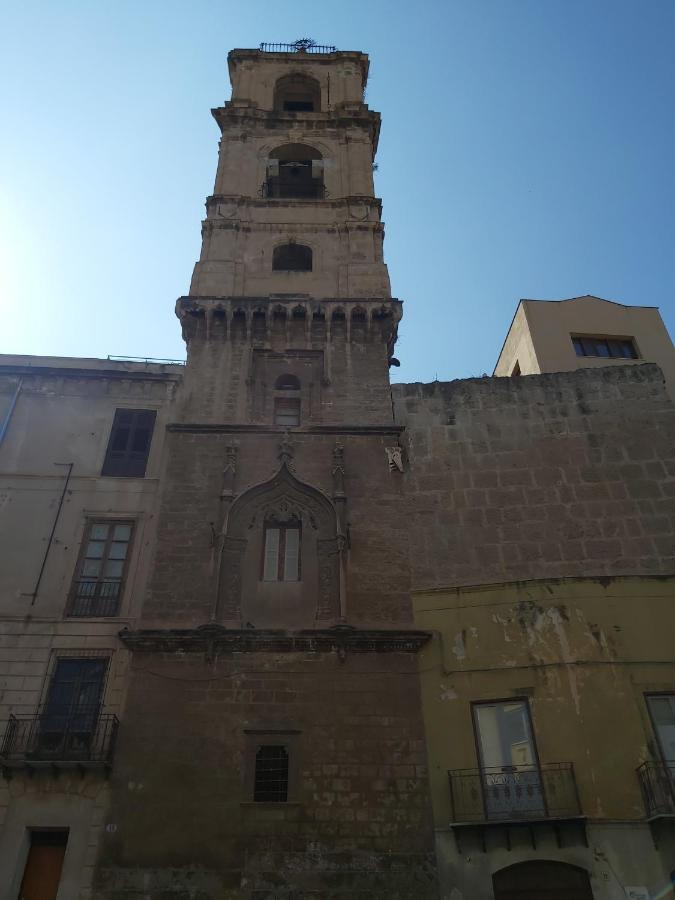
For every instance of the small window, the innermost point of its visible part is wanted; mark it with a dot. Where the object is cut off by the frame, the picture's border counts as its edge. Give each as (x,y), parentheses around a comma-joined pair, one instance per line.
(292,258)
(271,774)
(607,348)
(287,383)
(287,411)
(101,569)
(516,370)
(129,443)
(297,93)
(281,560)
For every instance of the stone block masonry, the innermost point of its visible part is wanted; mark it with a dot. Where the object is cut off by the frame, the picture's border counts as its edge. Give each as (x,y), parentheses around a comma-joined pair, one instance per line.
(540,476)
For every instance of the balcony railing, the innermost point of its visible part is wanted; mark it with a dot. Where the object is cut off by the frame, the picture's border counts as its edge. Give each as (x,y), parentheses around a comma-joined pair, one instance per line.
(94,598)
(304,45)
(514,794)
(293,189)
(657,780)
(80,739)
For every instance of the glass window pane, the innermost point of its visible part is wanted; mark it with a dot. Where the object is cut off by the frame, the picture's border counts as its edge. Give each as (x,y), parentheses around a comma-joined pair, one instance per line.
(122,533)
(504,735)
(118,550)
(271,563)
(602,348)
(99,532)
(113,568)
(91,567)
(95,549)
(578,346)
(663,714)
(292,555)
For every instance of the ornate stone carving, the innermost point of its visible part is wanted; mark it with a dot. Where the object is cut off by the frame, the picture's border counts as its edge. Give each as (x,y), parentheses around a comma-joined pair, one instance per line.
(395,458)
(229,471)
(329,586)
(338,471)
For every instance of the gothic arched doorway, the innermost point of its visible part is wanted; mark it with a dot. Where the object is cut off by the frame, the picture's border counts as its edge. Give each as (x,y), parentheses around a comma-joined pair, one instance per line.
(542,880)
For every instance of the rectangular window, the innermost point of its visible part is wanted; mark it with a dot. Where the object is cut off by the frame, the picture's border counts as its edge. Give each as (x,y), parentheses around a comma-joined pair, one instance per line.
(287,411)
(101,569)
(608,348)
(509,769)
(281,560)
(271,774)
(68,721)
(129,443)
(42,875)
(662,712)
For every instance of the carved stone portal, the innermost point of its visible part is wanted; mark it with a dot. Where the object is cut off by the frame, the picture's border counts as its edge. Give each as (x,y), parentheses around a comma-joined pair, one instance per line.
(244,596)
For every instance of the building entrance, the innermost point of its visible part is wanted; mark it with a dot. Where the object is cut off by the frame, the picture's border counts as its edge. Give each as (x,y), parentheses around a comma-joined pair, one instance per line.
(542,880)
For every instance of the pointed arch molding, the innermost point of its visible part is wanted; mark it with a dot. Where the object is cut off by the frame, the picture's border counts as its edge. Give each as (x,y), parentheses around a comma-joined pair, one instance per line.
(282,497)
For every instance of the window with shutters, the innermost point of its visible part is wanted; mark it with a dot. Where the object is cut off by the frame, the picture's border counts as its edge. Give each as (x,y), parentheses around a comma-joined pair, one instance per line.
(101,569)
(281,552)
(129,443)
(607,347)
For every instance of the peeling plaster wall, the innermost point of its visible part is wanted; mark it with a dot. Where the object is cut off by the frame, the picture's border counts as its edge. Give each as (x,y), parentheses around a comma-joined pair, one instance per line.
(582,652)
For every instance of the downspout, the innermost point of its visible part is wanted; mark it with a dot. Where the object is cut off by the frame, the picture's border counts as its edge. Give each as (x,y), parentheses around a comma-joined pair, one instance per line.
(8,415)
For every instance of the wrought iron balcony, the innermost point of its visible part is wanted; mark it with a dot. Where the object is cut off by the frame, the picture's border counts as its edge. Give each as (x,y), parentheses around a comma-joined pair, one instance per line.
(94,598)
(80,740)
(657,780)
(293,189)
(304,45)
(514,794)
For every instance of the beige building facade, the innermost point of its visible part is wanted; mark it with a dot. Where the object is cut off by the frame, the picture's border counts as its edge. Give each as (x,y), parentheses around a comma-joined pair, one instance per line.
(584,333)
(61,611)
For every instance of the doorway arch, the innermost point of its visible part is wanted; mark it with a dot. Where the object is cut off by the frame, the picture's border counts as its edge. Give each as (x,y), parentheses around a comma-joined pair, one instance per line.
(542,880)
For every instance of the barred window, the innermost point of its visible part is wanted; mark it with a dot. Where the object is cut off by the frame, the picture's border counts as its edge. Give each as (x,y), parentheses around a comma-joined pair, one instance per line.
(271,774)
(101,569)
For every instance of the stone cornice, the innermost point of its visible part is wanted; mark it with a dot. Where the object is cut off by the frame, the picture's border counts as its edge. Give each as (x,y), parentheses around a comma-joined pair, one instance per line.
(101,374)
(216,638)
(228,428)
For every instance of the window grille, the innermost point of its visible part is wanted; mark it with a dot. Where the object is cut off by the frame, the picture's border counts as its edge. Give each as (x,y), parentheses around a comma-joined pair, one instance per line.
(271,774)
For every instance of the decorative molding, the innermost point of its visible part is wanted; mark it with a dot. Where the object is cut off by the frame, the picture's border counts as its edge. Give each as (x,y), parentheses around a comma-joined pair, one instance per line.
(213,638)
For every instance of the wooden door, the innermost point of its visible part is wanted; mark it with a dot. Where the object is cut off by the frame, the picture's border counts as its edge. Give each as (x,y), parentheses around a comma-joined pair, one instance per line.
(542,880)
(42,874)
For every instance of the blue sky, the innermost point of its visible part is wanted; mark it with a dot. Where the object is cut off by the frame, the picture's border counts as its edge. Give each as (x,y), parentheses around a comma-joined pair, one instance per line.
(527,150)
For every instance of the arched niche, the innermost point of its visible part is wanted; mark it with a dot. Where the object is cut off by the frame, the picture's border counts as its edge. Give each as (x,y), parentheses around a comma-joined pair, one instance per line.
(297,93)
(249,591)
(294,171)
(542,879)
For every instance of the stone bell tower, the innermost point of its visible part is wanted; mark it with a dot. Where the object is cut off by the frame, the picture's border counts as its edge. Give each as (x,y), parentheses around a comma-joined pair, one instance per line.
(273,714)
(291,256)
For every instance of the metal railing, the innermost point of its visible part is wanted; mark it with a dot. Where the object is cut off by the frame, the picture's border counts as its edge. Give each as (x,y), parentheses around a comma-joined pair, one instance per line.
(514,793)
(292,189)
(657,780)
(304,45)
(94,598)
(81,737)
(151,360)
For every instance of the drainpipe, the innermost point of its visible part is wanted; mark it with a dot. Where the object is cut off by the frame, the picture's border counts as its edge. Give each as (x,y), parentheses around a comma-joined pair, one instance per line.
(51,536)
(8,415)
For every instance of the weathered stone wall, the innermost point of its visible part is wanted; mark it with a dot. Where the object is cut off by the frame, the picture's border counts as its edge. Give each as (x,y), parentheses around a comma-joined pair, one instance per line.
(357,822)
(539,476)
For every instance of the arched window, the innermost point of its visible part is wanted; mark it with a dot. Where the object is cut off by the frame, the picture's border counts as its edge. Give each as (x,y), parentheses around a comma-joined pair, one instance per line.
(542,879)
(294,171)
(292,258)
(297,93)
(287,401)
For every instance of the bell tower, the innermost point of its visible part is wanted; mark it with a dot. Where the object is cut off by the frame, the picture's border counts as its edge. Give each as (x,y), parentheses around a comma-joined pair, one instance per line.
(291,277)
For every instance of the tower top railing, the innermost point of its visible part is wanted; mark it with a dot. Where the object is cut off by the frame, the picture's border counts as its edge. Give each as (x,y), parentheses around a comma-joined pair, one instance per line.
(303,45)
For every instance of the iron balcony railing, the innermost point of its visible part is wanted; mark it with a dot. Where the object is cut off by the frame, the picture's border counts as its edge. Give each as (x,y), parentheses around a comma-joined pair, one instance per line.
(514,793)
(94,598)
(293,189)
(304,45)
(84,737)
(657,780)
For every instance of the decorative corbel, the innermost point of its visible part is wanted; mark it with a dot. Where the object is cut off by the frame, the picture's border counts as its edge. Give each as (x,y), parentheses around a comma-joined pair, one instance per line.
(395,458)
